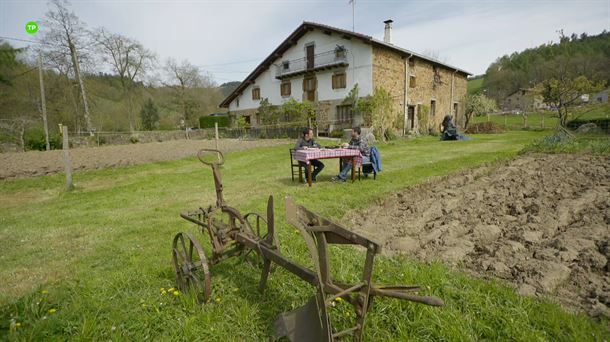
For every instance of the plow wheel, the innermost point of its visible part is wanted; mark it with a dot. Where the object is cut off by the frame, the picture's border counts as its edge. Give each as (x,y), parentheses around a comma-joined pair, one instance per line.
(191,267)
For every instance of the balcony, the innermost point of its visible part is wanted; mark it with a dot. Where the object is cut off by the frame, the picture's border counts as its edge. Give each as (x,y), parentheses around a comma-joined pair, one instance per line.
(322,61)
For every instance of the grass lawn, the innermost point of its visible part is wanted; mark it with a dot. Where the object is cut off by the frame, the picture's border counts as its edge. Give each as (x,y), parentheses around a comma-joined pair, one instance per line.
(89,264)
(550,120)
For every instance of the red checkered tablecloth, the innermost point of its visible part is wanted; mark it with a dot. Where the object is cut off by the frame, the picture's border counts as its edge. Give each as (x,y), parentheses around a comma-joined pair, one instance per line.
(317,153)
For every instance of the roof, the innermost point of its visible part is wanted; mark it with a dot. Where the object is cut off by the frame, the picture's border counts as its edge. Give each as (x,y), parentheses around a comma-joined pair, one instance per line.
(307,26)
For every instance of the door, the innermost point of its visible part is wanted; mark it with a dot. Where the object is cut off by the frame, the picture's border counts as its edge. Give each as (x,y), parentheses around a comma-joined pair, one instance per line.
(310,56)
(411,116)
(309,88)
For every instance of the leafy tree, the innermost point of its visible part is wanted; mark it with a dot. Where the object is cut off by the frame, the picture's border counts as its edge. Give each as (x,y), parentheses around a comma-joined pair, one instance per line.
(268,113)
(478,105)
(149,115)
(564,93)
(378,113)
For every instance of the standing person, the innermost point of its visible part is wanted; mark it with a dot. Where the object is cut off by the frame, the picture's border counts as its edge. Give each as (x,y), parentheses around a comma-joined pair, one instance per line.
(306,141)
(356,143)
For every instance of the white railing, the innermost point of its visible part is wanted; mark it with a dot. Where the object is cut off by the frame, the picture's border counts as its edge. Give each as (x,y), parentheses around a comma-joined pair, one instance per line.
(324,59)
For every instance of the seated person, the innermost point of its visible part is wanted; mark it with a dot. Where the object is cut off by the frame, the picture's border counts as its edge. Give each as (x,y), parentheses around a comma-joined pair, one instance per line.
(306,141)
(449,130)
(357,143)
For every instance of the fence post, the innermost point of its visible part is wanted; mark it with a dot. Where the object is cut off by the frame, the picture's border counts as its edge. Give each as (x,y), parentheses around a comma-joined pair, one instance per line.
(216,134)
(66,152)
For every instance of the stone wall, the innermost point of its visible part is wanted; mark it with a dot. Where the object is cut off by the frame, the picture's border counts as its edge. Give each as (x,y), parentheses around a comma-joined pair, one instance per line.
(389,73)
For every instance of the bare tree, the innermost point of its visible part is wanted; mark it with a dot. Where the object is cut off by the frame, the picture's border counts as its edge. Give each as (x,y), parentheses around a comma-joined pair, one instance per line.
(64,39)
(128,59)
(184,79)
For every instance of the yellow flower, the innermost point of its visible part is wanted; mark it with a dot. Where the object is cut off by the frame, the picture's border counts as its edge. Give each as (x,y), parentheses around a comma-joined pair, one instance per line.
(338,299)
(217,300)
(17,325)
(176,293)
(296,231)
(44,292)
(162,289)
(171,289)
(52,311)
(163,292)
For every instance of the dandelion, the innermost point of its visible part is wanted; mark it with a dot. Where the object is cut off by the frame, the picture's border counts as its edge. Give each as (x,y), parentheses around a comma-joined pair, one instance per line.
(163,292)
(171,289)
(338,299)
(176,293)
(44,292)
(217,299)
(17,325)
(52,311)
(162,289)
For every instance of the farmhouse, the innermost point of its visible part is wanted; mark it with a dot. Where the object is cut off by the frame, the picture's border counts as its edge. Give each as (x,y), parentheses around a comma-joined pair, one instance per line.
(321,64)
(523,100)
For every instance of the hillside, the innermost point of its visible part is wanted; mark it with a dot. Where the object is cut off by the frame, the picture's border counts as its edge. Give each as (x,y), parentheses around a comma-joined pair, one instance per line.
(580,54)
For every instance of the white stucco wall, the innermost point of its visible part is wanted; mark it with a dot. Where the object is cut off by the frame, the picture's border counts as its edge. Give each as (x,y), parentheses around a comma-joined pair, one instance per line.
(360,70)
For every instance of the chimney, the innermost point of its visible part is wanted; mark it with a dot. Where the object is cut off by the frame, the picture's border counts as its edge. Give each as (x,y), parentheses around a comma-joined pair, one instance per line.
(387,36)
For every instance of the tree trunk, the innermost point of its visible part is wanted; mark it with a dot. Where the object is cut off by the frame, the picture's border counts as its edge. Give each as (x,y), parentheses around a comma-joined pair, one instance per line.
(81,85)
(43,105)
(22,137)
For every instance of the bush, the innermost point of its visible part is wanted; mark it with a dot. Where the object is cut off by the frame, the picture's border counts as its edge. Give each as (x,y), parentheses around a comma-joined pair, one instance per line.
(485,128)
(34,140)
(208,121)
(337,133)
(562,142)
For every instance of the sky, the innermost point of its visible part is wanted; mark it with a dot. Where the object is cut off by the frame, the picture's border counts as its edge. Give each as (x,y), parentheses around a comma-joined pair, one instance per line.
(229,38)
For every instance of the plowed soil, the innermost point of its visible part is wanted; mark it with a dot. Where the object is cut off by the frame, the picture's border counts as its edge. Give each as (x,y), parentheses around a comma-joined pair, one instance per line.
(539,222)
(38,163)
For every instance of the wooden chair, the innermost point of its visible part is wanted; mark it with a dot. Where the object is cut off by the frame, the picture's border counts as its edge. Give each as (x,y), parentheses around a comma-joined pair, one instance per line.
(295,167)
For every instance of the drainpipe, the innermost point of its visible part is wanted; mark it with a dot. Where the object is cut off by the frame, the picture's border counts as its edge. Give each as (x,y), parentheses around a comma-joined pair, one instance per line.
(451,103)
(406,96)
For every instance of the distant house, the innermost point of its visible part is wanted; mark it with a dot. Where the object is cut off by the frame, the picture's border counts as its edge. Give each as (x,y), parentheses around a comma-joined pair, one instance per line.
(523,100)
(321,64)
(601,97)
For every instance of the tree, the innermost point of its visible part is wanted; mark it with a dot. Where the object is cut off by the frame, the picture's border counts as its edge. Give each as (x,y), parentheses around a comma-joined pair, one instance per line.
(7,61)
(185,79)
(128,59)
(478,105)
(64,37)
(378,113)
(564,93)
(149,115)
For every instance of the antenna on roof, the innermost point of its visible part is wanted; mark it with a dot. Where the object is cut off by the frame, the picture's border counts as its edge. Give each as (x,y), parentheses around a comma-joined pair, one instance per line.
(353,3)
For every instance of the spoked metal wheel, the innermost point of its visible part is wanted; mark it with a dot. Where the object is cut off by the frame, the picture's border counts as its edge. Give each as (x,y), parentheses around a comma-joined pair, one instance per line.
(191,267)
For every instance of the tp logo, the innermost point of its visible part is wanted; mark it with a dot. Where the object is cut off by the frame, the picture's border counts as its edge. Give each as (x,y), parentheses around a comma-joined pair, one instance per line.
(31,27)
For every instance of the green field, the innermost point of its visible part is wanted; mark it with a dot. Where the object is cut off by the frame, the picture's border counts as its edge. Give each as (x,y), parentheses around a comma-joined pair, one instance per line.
(90,264)
(543,120)
(475,85)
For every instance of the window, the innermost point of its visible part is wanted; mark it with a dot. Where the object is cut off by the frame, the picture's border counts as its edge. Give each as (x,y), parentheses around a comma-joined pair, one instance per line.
(286,65)
(412,82)
(339,81)
(285,89)
(411,62)
(432,107)
(256,93)
(344,114)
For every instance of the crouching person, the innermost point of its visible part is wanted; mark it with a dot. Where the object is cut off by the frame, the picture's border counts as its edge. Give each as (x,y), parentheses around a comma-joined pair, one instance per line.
(356,143)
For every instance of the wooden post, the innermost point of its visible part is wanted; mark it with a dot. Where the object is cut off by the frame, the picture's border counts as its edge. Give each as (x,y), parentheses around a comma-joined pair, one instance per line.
(216,134)
(67,165)
(43,105)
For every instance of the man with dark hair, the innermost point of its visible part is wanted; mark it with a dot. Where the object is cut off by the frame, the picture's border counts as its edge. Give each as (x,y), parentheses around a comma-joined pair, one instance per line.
(306,141)
(356,143)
